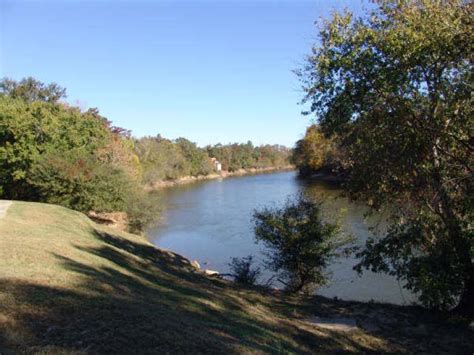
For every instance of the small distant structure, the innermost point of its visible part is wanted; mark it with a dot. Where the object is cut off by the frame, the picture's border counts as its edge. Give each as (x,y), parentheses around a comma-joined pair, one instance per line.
(217,164)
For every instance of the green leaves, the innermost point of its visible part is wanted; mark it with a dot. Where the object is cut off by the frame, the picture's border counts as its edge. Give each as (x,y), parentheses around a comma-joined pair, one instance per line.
(30,130)
(55,153)
(299,245)
(76,179)
(396,88)
(31,90)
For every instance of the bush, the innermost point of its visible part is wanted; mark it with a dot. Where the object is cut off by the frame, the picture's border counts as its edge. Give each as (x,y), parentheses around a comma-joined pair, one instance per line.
(243,272)
(80,181)
(77,180)
(299,245)
(142,210)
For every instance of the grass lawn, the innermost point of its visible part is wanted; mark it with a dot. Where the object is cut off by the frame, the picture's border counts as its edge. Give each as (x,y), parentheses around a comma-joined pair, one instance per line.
(70,285)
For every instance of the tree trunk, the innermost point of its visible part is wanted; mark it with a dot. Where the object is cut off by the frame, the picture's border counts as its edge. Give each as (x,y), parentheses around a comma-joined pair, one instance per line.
(461,244)
(462,248)
(465,306)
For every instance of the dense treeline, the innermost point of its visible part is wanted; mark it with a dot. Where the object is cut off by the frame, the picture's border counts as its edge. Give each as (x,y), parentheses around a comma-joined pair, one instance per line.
(392,93)
(164,159)
(53,152)
(245,156)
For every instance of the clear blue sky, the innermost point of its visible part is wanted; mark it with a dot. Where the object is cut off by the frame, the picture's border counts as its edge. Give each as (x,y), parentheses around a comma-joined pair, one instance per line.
(211,71)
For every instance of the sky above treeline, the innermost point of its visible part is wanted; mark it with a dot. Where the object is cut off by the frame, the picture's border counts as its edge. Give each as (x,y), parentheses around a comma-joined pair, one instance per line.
(210,71)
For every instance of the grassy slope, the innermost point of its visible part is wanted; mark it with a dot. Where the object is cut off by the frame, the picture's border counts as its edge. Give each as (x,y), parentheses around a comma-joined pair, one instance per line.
(67,284)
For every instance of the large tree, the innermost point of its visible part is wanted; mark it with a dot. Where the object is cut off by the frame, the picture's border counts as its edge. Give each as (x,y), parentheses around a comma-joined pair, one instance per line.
(397,86)
(28,131)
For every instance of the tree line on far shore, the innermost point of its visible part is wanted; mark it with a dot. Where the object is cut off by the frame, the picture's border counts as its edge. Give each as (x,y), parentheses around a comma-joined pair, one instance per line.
(53,152)
(165,159)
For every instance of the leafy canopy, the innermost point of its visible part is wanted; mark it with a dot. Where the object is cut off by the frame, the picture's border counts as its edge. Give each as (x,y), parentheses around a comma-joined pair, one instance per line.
(55,153)
(396,87)
(30,130)
(30,90)
(317,153)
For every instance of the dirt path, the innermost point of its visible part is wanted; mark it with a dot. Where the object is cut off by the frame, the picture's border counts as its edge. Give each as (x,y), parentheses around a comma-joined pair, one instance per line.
(4,207)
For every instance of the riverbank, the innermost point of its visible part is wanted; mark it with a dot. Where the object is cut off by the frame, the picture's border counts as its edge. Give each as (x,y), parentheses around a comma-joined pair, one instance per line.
(119,220)
(223,174)
(69,285)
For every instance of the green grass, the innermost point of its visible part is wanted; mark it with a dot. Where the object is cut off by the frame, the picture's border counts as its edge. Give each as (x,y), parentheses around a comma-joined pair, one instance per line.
(70,285)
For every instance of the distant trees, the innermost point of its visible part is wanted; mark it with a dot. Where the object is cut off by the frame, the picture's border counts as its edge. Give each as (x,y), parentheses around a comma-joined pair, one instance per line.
(299,245)
(164,159)
(396,89)
(161,159)
(198,160)
(245,156)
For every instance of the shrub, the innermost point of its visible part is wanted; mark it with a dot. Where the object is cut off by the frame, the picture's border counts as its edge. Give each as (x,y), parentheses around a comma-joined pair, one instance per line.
(243,272)
(142,210)
(77,180)
(299,245)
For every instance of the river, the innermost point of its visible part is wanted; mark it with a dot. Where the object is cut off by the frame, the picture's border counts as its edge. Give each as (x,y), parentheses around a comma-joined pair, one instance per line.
(211,222)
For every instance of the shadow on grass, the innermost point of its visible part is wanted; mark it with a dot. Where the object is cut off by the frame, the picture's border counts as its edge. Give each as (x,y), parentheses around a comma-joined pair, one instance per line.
(141,299)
